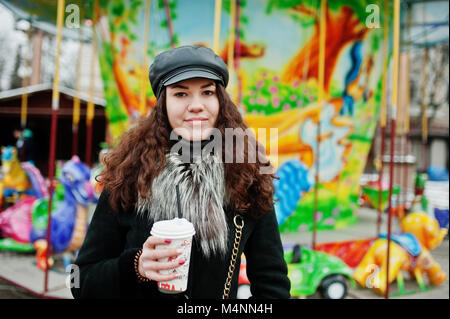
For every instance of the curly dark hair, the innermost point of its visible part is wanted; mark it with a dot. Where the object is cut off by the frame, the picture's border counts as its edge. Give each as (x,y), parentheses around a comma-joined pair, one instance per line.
(140,156)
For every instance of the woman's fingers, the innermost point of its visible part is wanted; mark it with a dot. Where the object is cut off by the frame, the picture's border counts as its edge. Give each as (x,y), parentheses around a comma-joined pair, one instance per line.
(156,254)
(151,252)
(153,241)
(170,253)
(156,276)
(161,265)
(152,261)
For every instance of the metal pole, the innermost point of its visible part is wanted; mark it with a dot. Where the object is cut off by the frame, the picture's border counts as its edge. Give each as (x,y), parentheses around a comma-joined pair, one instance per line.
(90,106)
(76,100)
(424,111)
(217,16)
(231,45)
(408,90)
(394,111)
(143,95)
(238,52)
(424,102)
(169,23)
(321,76)
(55,108)
(25,82)
(383,109)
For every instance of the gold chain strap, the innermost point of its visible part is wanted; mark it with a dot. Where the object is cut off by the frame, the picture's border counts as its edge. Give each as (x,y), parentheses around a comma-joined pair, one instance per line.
(237,241)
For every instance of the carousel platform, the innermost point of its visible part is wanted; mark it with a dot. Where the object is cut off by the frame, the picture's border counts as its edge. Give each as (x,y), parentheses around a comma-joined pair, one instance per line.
(20,270)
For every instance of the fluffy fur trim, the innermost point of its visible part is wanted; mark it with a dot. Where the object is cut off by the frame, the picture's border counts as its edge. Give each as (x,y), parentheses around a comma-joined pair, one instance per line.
(202,196)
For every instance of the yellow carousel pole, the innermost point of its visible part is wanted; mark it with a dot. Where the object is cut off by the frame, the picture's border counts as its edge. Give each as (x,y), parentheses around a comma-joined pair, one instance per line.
(321,78)
(24,102)
(238,54)
(406,112)
(424,102)
(424,110)
(91,106)
(76,100)
(383,109)
(392,138)
(55,108)
(399,124)
(143,95)
(217,16)
(231,44)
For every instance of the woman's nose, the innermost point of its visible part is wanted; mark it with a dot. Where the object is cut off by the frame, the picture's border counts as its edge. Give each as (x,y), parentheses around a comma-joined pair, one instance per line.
(195,106)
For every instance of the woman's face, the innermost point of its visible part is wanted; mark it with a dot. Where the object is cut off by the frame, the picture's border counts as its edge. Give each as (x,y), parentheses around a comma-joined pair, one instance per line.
(192,108)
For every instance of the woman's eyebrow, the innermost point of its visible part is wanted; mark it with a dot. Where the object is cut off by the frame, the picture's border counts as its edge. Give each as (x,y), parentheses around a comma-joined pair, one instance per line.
(208,84)
(179,86)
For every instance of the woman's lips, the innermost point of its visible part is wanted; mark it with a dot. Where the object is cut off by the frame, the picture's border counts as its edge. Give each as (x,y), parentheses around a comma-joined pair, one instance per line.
(196,121)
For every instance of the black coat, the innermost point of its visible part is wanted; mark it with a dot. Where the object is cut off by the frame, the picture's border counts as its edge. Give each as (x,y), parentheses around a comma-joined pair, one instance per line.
(106,260)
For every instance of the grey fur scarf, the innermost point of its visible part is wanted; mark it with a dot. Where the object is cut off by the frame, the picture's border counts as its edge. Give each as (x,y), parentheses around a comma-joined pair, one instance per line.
(202,196)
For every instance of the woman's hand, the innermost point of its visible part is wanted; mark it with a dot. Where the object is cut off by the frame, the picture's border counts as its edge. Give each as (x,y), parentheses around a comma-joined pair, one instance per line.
(149,266)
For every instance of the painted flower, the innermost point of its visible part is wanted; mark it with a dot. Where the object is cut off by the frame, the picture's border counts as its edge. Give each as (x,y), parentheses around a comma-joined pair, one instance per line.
(259,84)
(273,89)
(276,78)
(286,106)
(293,97)
(319,216)
(276,101)
(295,84)
(303,228)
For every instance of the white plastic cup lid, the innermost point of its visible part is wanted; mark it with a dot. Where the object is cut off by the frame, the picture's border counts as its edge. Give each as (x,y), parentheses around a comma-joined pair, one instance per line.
(174,228)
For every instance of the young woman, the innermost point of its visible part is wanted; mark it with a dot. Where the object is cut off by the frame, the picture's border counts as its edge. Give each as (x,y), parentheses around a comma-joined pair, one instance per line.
(183,142)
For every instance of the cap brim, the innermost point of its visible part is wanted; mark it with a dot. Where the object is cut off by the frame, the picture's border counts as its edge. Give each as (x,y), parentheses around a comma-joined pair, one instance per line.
(191,74)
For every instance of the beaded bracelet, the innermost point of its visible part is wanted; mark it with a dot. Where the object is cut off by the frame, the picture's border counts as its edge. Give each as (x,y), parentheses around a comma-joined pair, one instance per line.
(136,268)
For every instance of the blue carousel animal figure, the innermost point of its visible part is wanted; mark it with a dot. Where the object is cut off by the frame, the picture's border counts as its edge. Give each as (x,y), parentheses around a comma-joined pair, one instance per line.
(69,217)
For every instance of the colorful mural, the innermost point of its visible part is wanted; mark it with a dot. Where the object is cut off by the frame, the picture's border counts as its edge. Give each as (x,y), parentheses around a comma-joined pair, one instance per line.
(275,84)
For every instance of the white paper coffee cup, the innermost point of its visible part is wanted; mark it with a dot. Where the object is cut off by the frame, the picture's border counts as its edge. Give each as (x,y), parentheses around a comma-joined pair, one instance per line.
(180,232)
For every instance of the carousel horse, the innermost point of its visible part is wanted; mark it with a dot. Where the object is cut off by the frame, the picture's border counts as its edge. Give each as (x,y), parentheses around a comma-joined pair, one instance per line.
(69,216)
(409,251)
(15,180)
(15,226)
(19,178)
(24,180)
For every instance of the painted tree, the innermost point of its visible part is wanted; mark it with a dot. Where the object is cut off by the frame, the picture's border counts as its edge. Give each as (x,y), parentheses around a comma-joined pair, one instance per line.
(345,23)
(170,8)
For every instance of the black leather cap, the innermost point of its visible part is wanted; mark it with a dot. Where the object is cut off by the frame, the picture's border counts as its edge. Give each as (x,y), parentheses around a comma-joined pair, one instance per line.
(186,62)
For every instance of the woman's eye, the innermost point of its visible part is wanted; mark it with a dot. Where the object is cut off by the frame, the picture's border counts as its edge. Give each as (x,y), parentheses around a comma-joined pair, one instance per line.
(180,94)
(209,92)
